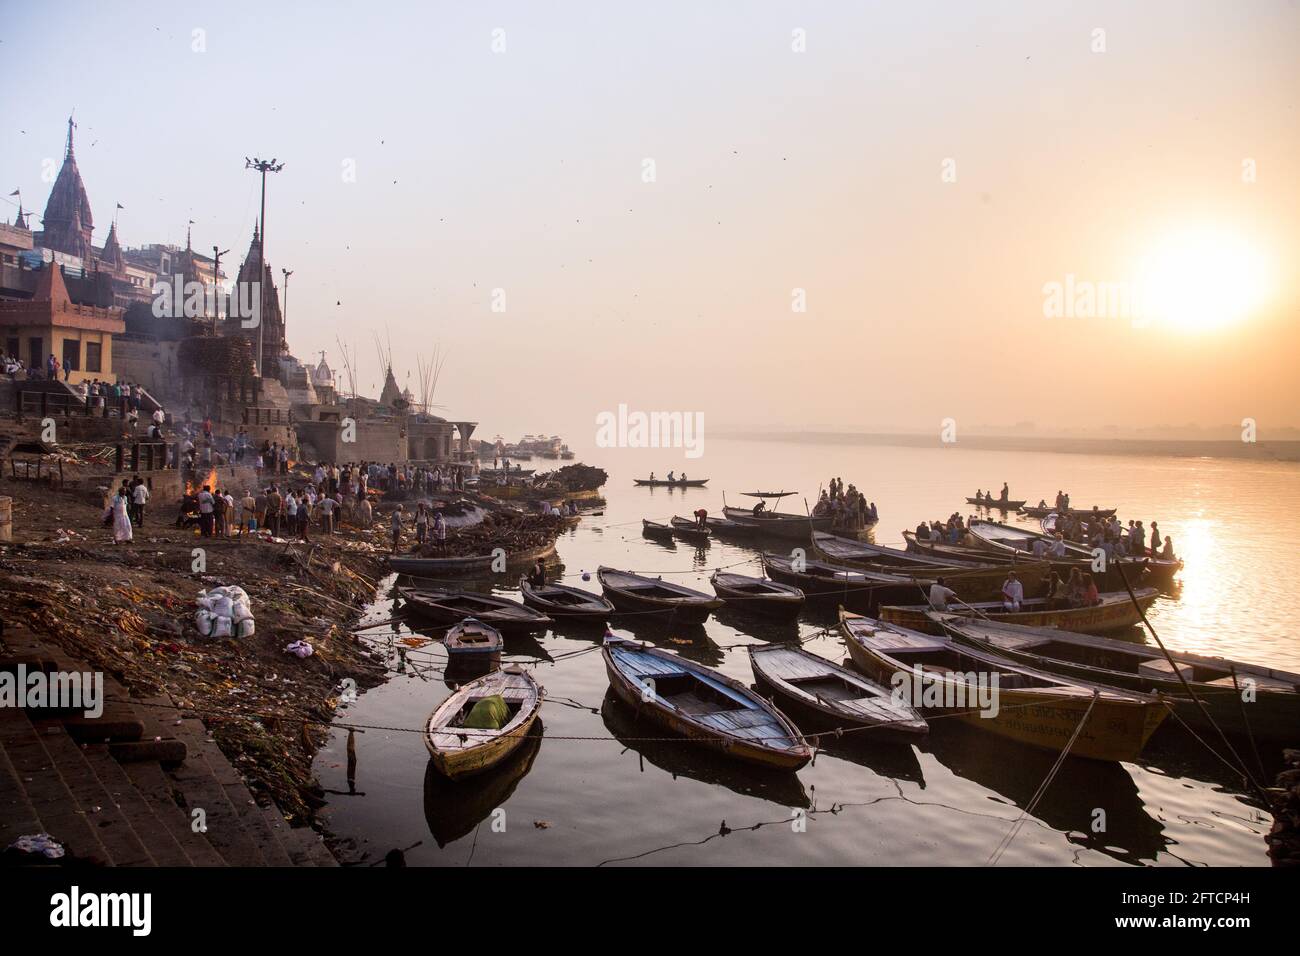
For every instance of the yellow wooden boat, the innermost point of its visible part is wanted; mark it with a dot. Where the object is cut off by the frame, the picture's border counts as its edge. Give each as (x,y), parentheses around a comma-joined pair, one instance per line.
(460,751)
(996,695)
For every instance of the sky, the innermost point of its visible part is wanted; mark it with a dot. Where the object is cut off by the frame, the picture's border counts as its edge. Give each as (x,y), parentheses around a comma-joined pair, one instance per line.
(825,215)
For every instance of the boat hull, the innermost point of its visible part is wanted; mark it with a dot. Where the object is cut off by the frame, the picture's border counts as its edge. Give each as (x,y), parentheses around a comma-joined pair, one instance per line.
(1041,719)
(632,694)
(1105,618)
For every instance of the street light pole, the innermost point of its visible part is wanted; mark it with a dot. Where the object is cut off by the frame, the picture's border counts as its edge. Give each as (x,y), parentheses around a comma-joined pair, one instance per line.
(287,273)
(262,166)
(217,253)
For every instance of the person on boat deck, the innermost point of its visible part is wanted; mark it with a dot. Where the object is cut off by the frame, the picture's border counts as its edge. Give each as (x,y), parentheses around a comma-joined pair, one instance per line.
(1168,551)
(940,595)
(1006,492)
(760,507)
(1091,596)
(1155,538)
(683,477)
(701,519)
(1042,502)
(1054,592)
(670,476)
(1074,589)
(1058,546)
(1040,548)
(875,515)
(1013,592)
(652,476)
(923,532)
(537,576)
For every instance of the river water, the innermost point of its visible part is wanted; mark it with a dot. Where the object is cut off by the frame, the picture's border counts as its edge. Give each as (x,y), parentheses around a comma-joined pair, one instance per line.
(587,794)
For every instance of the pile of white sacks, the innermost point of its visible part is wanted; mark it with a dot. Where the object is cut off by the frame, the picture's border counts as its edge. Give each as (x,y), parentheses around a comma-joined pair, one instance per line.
(224,612)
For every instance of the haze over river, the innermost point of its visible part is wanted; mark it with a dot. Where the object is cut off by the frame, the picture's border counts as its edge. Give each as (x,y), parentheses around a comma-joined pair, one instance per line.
(603,797)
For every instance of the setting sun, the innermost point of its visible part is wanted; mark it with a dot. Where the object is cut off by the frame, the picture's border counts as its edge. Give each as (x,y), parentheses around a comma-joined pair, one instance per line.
(1199,280)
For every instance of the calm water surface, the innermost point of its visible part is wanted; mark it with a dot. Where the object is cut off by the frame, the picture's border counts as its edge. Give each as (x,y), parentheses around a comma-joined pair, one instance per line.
(609,798)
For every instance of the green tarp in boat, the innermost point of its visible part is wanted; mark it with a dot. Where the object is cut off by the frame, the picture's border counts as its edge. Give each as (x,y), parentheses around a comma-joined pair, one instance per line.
(490,713)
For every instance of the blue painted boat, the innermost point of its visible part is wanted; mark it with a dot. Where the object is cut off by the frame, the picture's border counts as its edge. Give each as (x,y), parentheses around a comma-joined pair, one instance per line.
(704,705)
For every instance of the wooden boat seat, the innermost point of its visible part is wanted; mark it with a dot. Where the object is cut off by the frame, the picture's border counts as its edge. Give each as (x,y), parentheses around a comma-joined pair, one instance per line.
(1261,683)
(1161,668)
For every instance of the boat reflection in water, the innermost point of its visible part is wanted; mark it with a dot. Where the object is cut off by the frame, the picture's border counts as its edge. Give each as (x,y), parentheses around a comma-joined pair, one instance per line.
(1070,805)
(453,808)
(685,758)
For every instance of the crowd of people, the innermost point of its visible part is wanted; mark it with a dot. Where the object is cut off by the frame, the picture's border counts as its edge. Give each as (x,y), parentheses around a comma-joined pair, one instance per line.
(848,508)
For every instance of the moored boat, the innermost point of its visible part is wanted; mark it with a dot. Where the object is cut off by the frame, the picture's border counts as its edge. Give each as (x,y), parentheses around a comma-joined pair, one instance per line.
(1114,612)
(656,529)
(860,589)
(845,698)
(566,604)
(460,751)
(996,695)
(450,607)
(704,705)
(779,524)
(636,593)
(745,593)
(1273,710)
(472,644)
(725,527)
(688,530)
(465,564)
(1008,539)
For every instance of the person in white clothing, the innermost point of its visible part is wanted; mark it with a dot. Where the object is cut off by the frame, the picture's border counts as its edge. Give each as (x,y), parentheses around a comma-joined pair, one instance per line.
(940,595)
(1013,592)
(140,497)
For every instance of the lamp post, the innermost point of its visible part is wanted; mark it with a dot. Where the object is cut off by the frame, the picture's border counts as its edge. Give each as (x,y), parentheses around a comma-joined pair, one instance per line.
(287,273)
(262,166)
(217,253)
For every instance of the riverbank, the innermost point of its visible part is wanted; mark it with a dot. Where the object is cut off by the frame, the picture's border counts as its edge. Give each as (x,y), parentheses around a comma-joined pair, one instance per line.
(128,610)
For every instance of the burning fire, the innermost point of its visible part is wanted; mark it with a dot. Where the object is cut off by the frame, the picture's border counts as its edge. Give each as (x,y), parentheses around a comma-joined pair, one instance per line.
(194,486)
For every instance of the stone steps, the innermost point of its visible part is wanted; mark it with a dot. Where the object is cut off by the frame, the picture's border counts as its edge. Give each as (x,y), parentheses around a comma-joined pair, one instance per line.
(59,775)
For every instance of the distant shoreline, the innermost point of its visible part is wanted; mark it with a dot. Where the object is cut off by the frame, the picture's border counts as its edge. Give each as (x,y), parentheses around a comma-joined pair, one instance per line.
(1275,451)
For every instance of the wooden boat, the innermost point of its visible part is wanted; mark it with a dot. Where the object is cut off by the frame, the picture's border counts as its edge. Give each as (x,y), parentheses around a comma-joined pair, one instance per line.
(725,527)
(863,589)
(466,565)
(1030,706)
(1273,714)
(454,808)
(845,698)
(779,524)
(1036,512)
(953,553)
(460,751)
(1115,613)
(677,483)
(702,704)
(845,551)
(450,607)
(638,594)
(1001,504)
(1008,539)
(566,604)
(656,529)
(471,643)
(745,593)
(688,530)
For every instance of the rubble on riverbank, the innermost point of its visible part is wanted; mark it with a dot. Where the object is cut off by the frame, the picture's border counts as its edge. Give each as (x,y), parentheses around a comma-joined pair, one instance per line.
(130,610)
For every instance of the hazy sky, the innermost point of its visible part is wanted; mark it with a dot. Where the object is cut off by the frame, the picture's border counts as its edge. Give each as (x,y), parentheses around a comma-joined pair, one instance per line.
(1168,144)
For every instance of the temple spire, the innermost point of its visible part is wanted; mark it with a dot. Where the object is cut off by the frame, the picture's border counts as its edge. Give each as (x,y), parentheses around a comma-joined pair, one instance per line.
(71,125)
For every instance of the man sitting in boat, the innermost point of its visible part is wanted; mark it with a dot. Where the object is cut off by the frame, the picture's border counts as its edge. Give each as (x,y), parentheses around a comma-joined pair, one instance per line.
(940,595)
(1054,592)
(1013,592)
(760,507)
(823,505)
(537,576)
(1040,548)
(1042,502)
(1168,552)
(1058,546)
(922,532)
(670,476)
